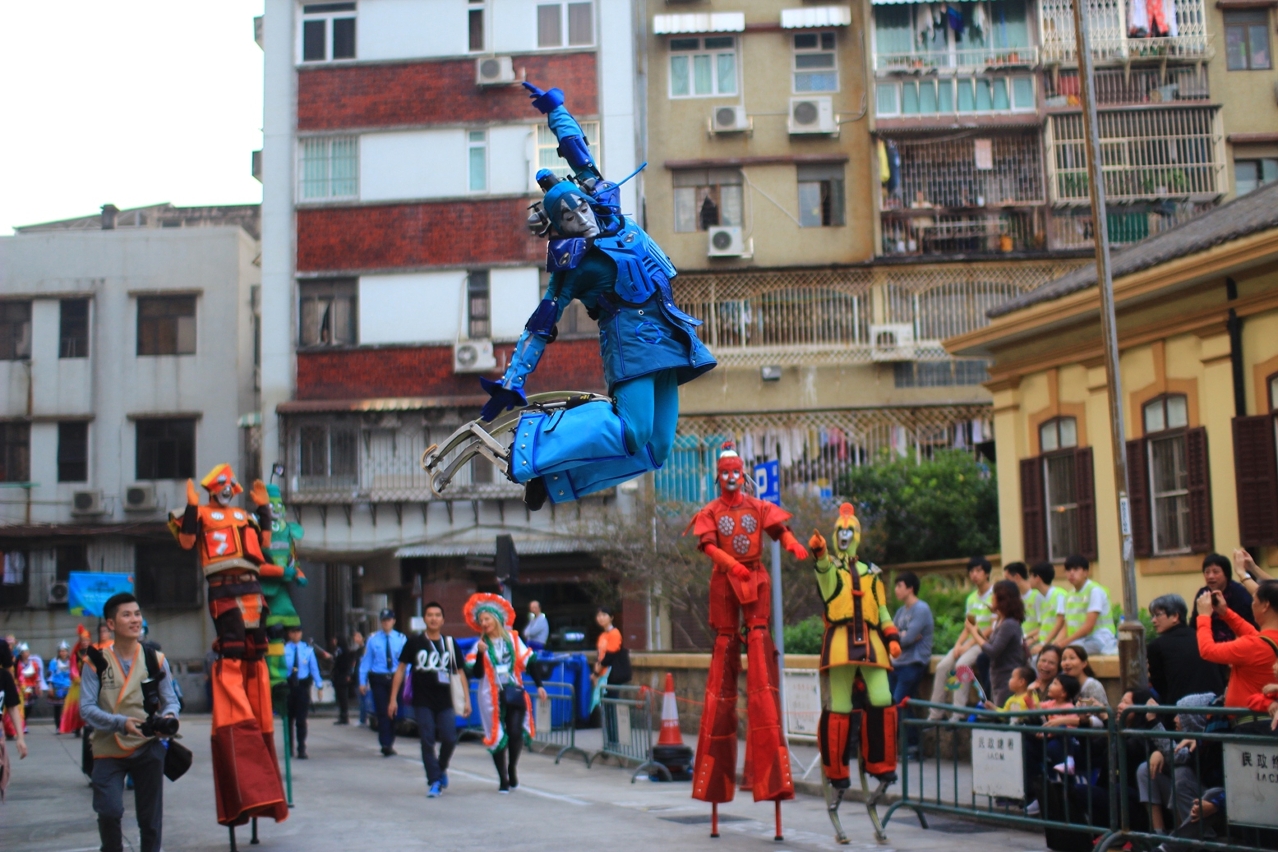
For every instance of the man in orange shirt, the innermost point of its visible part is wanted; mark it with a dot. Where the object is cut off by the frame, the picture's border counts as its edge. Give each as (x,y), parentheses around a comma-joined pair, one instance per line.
(1251,656)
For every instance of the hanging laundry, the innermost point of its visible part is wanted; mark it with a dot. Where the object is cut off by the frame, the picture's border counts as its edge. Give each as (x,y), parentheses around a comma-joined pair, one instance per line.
(923,24)
(955,17)
(15,569)
(894,168)
(885,173)
(980,23)
(1138,19)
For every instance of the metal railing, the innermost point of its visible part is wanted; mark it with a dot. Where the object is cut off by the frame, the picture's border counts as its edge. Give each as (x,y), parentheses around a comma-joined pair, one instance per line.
(1130,224)
(555,720)
(965,59)
(1123,86)
(968,232)
(627,715)
(1109,36)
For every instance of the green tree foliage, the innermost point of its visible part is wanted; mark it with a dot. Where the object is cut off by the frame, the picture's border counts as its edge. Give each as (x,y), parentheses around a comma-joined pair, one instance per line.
(941,508)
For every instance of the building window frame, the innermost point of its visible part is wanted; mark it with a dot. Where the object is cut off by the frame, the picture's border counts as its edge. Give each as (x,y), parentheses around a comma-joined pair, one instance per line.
(73,451)
(1247,46)
(475,30)
(1060,496)
(822,196)
(167,577)
(814,62)
(328,313)
(327,168)
(327,454)
(1059,433)
(547,154)
(1166,419)
(708,198)
(573,22)
(326,33)
(73,328)
(15,451)
(165,448)
(479,312)
(477,161)
(15,329)
(1263,171)
(167,325)
(694,59)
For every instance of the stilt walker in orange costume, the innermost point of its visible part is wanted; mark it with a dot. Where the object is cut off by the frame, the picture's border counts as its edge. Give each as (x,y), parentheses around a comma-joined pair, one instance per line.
(730,529)
(856,655)
(231,541)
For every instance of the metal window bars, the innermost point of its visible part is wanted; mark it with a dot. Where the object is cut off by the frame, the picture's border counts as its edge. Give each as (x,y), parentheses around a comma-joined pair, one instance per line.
(1147,155)
(1128,223)
(945,172)
(1123,86)
(1110,37)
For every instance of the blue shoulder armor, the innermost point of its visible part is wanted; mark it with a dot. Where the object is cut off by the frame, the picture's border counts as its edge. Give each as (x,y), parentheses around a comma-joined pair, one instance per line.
(642,267)
(565,253)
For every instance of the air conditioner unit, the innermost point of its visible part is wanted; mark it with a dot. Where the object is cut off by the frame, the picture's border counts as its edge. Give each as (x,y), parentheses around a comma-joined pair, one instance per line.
(892,342)
(812,115)
(59,593)
(729,119)
(494,71)
(87,503)
(725,242)
(139,497)
(473,356)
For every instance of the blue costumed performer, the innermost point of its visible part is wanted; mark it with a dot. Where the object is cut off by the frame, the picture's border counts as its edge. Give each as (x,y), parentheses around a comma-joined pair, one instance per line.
(649,346)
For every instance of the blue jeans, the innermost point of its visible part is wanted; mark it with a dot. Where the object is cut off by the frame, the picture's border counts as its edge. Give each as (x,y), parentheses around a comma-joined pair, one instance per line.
(904,681)
(435,725)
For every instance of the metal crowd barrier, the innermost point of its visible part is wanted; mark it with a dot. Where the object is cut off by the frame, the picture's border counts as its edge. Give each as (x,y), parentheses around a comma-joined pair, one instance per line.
(627,714)
(555,720)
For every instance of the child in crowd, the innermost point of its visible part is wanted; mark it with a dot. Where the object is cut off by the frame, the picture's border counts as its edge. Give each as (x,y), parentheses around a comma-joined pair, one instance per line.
(1021,698)
(1061,694)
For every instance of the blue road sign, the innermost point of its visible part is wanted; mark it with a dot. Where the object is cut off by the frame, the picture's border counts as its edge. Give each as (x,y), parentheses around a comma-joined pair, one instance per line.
(767,480)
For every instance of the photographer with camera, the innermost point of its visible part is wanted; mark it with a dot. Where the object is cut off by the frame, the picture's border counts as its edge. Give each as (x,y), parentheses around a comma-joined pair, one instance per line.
(127,697)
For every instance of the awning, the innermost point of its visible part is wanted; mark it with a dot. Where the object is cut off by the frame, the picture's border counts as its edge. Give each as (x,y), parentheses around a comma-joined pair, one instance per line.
(536,547)
(714,22)
(816,16)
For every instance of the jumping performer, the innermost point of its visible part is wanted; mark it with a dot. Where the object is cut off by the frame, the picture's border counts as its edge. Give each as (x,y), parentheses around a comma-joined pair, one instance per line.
(856,655)
(246,774)
(730,531)
(649,347)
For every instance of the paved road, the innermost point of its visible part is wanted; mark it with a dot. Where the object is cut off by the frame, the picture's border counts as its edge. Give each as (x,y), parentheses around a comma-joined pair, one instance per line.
(348,797)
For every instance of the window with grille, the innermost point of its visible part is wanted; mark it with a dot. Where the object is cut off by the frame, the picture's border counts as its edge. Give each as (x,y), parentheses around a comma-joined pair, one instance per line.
(73,451)
(15,452)
(1058,501)
(475,26)
(821,202)
(165,575)
(1062,506)
(815,64)
(1247,40)
(707,198)
(73,328)
(328,312)
(165,448)
(477,160)
(908,36)
(15,330)
(703,67)
(328,31)
(328,168)
(937,374)
(68,558)
(1251,175)
(557,20)
(547,148)
(15,582)
(478,306)
(328,456)
(166,325)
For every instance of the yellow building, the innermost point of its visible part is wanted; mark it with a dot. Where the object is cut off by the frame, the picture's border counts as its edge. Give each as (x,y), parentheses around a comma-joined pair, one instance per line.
(1197,311)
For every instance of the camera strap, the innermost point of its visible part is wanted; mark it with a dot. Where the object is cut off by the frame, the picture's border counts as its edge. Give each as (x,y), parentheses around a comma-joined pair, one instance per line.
(151,685)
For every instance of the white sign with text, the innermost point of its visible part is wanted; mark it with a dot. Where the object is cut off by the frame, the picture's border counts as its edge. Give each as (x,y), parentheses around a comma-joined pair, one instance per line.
(996,764)
(1251,783)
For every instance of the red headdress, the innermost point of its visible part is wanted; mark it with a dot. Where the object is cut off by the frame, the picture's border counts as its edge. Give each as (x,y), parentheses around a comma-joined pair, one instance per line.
(728,458)
(82,632)
(496,605)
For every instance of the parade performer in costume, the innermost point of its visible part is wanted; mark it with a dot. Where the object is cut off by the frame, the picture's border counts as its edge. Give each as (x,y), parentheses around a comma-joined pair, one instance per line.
(59,682)
(230,542)
(730,531)
(71,721)
(499,660)
(859,640)
(649,347)
(282,553)
(31,682)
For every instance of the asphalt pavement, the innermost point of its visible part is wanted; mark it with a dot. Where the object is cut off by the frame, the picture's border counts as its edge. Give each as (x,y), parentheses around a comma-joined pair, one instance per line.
(348,797)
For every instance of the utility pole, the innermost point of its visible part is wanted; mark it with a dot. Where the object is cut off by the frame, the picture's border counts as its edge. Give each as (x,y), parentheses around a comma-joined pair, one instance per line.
(1131,633)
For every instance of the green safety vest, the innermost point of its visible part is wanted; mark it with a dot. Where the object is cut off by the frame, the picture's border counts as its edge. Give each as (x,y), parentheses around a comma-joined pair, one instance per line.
(1046,612)
(979,606)
(1076,609)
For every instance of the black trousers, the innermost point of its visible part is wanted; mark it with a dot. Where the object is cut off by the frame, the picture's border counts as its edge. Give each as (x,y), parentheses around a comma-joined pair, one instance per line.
(507,759)
(342,689)
(146,765)
(299,707)
(381,688)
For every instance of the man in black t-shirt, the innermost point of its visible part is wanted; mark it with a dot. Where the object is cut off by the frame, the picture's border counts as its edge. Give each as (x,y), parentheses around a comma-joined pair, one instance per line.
(434,662)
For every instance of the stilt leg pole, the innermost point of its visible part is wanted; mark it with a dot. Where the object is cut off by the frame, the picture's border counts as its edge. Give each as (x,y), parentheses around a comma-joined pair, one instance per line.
(231,829)
(253,840)
(714,820)
(779,836)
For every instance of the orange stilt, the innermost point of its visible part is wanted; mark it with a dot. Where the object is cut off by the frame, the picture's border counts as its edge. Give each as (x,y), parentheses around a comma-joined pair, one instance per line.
(779,835)
(714,819)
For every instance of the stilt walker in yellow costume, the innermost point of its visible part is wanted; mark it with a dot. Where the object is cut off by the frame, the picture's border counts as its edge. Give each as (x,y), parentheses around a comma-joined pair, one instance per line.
(856,656)
(230,542)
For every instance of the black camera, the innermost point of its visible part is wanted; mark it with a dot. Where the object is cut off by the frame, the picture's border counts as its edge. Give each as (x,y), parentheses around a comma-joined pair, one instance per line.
(159,726)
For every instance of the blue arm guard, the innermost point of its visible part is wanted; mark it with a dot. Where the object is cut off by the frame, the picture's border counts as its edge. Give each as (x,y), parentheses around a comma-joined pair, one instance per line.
(538,332)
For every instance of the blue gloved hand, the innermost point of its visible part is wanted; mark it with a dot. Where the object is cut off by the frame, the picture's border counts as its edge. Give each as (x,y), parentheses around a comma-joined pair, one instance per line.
(503,399)
(545,101)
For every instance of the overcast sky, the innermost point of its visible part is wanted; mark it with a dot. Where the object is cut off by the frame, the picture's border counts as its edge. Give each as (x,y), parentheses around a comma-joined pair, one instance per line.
(128,102)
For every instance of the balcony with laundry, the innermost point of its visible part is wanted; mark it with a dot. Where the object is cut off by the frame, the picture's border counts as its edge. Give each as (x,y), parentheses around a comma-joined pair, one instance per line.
(953,38)
(1124,32)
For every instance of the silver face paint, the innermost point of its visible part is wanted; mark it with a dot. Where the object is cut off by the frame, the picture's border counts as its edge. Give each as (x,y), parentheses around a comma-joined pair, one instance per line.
(845,536)
(224,495)
(577,221)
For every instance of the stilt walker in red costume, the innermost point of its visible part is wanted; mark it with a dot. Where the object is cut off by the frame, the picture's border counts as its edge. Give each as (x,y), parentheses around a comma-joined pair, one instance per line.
(231,543)
(730,529)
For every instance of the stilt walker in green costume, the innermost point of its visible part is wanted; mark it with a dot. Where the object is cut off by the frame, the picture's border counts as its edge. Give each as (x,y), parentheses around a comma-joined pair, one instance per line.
(282,553)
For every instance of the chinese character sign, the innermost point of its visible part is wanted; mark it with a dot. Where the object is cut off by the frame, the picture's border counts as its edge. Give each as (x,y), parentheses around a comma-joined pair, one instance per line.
(1251,783)
(996,764)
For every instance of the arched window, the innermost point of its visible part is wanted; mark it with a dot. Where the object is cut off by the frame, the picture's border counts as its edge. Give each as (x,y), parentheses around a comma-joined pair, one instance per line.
(1166,412)
(1059,433)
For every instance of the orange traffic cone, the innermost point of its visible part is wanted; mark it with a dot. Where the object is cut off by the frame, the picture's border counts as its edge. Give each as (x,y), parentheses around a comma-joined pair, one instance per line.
(670,733)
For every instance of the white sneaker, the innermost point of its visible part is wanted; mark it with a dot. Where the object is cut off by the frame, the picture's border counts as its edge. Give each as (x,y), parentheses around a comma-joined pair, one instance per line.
(1033,809)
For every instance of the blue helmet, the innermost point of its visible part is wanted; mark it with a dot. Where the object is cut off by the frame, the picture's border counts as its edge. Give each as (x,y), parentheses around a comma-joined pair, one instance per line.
(551,202)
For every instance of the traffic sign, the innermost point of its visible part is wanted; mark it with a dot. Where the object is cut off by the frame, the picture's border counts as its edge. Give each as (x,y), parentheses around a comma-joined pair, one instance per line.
(767,482)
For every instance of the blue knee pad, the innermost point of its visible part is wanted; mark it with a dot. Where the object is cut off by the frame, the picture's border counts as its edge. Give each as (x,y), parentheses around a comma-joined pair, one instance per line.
(551,443)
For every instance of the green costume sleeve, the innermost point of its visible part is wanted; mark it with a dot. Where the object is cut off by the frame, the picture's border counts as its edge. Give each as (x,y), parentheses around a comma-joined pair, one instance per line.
(827,579)
(885,617)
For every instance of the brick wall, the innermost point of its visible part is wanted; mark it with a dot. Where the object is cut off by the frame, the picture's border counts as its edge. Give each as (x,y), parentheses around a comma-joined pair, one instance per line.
(397,371)
(443,92)
(388,236)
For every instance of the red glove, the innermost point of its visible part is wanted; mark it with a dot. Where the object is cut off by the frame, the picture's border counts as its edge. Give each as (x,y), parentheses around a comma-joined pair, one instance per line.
(723,561)
(817,545)
(894,644)
(791,544)
(740,571)
(192,496)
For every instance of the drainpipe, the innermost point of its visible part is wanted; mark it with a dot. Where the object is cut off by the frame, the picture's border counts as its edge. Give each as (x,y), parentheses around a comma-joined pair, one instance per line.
(1234,324)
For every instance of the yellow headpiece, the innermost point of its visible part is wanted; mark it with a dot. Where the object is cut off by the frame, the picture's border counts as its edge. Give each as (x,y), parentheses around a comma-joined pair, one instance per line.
(847,531)
(218,477)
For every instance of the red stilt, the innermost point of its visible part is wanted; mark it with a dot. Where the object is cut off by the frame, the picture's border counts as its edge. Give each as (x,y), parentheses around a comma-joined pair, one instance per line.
(779,835)
(714,819)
